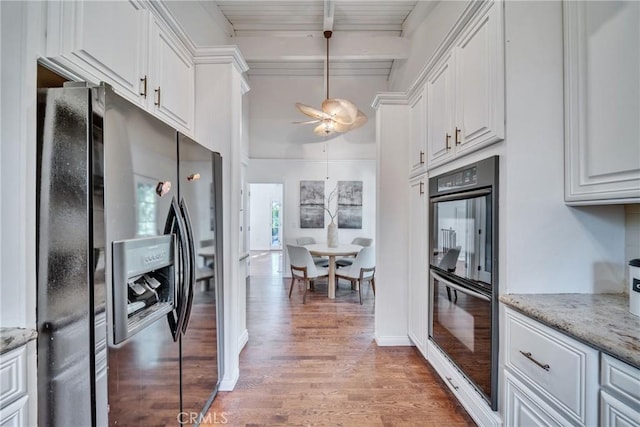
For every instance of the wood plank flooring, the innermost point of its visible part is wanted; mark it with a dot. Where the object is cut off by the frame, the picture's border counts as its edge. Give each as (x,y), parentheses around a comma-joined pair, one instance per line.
(317,364)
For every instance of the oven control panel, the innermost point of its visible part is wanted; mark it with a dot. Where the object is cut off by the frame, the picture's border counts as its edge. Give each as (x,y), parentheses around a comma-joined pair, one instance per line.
(460,179)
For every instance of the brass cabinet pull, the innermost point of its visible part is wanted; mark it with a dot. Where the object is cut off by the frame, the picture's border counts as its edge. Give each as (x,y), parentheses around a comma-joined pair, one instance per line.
(458,136)
(446,141)
(546,367)
(157,91)
(421,188)
(144,85)
(455,387)
(421,157)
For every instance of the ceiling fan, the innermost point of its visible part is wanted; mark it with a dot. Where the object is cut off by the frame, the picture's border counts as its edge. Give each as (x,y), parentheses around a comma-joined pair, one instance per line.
(337,115)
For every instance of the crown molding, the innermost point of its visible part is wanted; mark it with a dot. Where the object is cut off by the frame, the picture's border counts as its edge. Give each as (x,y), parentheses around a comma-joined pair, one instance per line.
(161,10)
(390,98)
(229,54)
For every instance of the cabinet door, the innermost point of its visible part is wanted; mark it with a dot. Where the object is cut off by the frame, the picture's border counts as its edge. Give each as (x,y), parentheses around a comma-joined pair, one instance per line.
(602,102)
(615,413)
(171,74)
(523,407)
(417,137)
(101,41)
(479,83)
(418,285)
(440,104)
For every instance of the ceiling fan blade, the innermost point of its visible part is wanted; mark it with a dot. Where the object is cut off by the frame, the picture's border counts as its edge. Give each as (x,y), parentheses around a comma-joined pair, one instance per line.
(308,122)
(322,130)
(311,112)
(342,110)
(361,119)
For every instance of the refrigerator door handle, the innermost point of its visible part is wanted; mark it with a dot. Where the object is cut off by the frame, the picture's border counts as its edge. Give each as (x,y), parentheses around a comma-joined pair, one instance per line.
(175,224)
(190,285)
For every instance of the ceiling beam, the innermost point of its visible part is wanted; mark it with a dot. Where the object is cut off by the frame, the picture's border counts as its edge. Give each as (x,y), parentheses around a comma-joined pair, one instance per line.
(329,9)
(344,47)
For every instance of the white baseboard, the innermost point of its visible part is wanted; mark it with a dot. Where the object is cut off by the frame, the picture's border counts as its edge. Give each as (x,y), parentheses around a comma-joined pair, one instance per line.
(391,341)
(243,339)
(228,384)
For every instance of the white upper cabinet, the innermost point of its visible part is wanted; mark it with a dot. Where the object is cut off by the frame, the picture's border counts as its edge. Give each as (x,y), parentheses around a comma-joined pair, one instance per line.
(171,78)
(465,90)
(440,112)
(124,44)
(417,138)
(480,82)
(602,102)
(101,41)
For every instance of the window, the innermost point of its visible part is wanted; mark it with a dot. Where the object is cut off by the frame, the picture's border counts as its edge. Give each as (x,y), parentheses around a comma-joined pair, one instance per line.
(146,207)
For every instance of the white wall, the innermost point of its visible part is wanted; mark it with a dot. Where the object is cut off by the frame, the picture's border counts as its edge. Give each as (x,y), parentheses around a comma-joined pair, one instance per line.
(272,111)
(22,38)
(203,28)
(290,172)
(261,197)
(392,226)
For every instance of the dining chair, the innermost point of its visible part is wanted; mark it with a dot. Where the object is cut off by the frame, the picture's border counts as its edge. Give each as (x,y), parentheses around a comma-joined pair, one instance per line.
(362,269)
(303,268)
(448,263)
(360,241)
(318,260)
(207,272)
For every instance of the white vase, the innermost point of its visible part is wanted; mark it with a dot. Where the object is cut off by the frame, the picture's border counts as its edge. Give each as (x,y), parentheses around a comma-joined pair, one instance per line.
(332,235)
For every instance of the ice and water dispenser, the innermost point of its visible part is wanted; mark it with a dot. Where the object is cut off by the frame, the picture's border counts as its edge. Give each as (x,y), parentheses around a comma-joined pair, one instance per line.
(143,283)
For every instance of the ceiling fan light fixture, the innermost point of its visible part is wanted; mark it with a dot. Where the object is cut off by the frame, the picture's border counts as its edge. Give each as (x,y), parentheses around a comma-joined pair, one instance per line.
(337,115)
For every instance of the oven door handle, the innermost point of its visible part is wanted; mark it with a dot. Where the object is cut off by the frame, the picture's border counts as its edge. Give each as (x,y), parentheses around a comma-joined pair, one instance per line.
(467,291)
(461,196)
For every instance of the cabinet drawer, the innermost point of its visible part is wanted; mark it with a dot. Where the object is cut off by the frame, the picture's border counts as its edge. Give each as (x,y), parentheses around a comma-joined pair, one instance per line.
(13,376)
(620,377)
(559,368)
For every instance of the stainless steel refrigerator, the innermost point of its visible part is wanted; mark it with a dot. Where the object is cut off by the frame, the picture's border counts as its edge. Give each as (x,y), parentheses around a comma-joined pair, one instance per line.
(129,264)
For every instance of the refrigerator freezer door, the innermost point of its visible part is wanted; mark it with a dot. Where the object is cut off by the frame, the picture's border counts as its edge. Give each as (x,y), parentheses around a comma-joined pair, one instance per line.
(200,182)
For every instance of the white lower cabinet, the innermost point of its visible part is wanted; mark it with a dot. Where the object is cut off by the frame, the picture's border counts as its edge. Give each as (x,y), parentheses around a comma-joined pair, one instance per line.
(13,388)
(616,413)
(619,393)
(550,379)
(525,408)
(418,295)
(469,398)
(553,368)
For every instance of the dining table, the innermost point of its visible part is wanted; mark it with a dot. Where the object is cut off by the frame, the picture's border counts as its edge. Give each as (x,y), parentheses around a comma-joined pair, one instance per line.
(322,249)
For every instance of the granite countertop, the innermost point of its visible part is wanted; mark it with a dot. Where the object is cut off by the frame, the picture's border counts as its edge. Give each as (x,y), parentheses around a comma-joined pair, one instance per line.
(11,338)
(602,321)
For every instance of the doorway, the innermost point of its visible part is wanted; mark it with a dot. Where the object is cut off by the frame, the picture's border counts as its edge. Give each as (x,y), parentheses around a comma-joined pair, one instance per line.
(265,217)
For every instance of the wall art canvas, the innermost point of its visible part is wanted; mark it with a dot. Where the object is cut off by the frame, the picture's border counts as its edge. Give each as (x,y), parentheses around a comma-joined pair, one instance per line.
(311,204)
(350,204)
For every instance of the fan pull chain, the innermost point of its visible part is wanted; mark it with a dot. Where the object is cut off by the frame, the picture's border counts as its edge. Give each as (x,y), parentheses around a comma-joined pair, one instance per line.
(326,149)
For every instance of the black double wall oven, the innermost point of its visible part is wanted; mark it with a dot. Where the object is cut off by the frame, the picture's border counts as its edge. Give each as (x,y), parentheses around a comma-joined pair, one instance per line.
(463,272)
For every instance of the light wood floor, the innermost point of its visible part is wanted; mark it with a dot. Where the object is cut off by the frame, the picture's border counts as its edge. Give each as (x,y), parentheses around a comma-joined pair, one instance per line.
(318,365)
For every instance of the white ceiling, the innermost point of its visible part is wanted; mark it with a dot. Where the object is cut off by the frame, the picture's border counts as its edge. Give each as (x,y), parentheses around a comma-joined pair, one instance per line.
(286,37)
